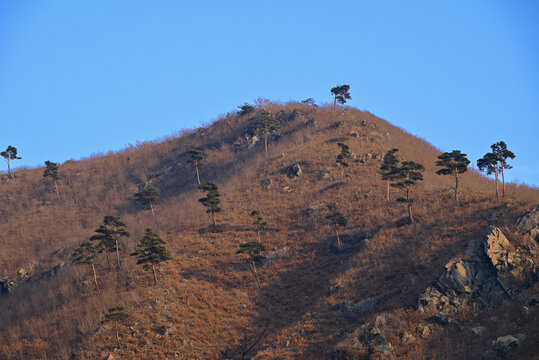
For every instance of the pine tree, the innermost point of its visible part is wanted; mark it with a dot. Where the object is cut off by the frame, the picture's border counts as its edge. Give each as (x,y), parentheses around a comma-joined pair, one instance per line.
(489,165)
(406,176)
(117,314)
(51,170)
(109,235)
(254,249)
(341,158)
(265,123)
(197,160)
(246,109)
(259,223)
(341,94)
(151,252)
(148,196)
(337,219)
(212,200)
(86,254)
(454,163)
(388,168)
(500,149)
(10,154)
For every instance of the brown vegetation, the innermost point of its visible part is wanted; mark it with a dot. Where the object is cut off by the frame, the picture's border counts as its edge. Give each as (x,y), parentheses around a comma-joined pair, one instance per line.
(206,305)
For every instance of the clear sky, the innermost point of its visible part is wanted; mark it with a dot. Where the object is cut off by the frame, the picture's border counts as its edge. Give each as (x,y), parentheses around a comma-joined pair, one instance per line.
(83,77)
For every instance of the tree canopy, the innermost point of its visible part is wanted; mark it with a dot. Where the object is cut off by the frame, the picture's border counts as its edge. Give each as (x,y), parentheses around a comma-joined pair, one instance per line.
(212,199)
(151,251)
(147,196)
(341,94)
(388,169)
(406,176)
(453,163)
(265,124)
(197,161)
(108,235)
(10,154)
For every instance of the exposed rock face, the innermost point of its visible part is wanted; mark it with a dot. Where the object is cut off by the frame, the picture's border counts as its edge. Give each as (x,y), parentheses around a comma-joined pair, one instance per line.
(529,223)
(295,171)
(490,272)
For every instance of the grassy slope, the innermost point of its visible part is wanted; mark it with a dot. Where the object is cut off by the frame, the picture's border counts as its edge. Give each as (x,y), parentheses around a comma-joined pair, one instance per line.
(207,299)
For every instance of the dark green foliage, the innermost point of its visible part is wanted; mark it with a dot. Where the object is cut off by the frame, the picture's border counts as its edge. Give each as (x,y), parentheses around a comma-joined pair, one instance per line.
(259,223)
(308,102)
(147,196)
(197,160)
(337,219)
(406,176)
(341,94)
(85,254)
(117,314)
(51,170)
(265,124)
(109,235)
(151,251)
(246,109)
(489,165)
(10,154)
(212,199)
(345,153)
(454,163)
(389,167)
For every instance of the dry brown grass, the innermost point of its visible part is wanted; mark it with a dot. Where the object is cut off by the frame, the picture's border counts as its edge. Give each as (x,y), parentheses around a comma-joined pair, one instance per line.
(206,297)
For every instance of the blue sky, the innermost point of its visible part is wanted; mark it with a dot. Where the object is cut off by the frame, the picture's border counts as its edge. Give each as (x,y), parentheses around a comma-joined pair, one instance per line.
(83,77)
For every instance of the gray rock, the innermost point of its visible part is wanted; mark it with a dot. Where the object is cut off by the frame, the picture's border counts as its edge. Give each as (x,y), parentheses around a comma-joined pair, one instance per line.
(407,338)
(478,330)
(490,272)
(273,256)
(354,310)
(529,223)
(507,344)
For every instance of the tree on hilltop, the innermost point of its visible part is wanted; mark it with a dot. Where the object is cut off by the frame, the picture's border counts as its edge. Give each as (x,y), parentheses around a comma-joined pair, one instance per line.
(246,109)
(212,200)
(308,102)
(489,165)
(265,123)
(500,149)
(454,163)
(197,161)
(337,220)
(109,235)
(86,254)
(406,176)
(341,158)
(254,251)
(341,94)
(51,170)
(151,252)
(148,196)
(388,168)
(10,154)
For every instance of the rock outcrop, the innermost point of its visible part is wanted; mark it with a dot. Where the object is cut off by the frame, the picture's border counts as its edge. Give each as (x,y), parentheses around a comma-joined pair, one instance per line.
(491,271)
(529,223)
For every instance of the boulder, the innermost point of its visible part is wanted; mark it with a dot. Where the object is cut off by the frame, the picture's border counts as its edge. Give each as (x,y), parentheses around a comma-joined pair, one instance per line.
(529,223)
(504,345)
(490,272)
(294,171)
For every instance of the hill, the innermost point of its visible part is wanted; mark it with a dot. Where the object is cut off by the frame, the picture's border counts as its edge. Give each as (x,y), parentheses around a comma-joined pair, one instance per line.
(317,297)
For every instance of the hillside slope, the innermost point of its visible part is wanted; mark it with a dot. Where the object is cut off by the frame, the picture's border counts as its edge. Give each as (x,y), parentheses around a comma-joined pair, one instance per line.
(207,304)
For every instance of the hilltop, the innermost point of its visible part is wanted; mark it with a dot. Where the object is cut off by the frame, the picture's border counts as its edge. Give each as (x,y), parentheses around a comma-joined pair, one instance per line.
(317,298)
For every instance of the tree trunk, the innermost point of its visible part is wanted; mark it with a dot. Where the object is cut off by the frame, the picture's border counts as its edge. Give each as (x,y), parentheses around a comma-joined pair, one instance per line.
(496,176)
(95,276)
(8,165)
(56,189)
(108,257)
(409,205)
(335,101)
(117,252)
(253,267)
(503,186)
(338,239)
(457,189)
(213,220)
(154,275)
(151,208)
(198,176)
(388,192)
(266,143)
(118,335)
(342,173)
